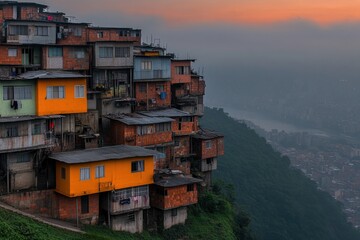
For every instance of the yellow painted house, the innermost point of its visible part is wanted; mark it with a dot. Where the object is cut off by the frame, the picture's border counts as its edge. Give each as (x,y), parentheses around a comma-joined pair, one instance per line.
(91,171)
(59,92)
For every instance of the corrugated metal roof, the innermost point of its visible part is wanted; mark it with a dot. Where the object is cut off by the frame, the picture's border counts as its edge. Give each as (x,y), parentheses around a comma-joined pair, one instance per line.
(27,118)
(170,112)
(207,134)
(137,119)
(48,74)
(103,154)
(177,180)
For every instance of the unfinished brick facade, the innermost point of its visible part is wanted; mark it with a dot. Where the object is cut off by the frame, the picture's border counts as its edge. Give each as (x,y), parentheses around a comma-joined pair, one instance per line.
(125,134)
(173,197)
(73,61)
(10,55)
(70,209)
(113,34)
(209,148)
(149,95)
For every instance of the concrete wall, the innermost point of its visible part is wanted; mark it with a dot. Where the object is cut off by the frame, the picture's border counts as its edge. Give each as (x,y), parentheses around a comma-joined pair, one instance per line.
(114,61)
(128,223)
(31,38)
(22,174)
(179,218)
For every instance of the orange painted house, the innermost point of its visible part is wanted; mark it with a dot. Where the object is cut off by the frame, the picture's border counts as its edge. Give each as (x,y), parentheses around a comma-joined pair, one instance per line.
(59,92)
(87,180)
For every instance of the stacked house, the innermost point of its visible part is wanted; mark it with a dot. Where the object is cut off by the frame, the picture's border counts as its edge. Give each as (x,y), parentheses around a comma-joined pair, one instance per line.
(97,127)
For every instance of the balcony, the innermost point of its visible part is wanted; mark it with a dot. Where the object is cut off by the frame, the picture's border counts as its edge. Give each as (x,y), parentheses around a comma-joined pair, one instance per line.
(24,142)
(150,75)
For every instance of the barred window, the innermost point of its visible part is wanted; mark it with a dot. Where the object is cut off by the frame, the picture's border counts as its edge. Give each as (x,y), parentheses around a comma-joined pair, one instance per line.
(18,30)
(163,127)
(106,52)
(122,52)
(41,31)
(146,65)
(77,52)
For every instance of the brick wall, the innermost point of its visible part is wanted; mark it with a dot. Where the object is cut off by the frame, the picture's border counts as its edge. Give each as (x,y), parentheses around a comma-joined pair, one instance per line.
(109,35)
(153,93)
(184,127)
(35,202)
(72,63)
(30,13)
(216,149)
(176,197)
(197,86)
(183,149)
(6,60)
(67,209)
(71,39)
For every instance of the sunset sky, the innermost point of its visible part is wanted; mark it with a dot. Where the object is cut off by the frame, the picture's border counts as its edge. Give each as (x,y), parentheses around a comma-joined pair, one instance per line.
(246,41)
(227,11)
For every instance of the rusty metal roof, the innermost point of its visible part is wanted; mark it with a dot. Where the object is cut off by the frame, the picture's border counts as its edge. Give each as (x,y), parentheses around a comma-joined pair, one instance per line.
(103,154)
(207,134)
(137,119)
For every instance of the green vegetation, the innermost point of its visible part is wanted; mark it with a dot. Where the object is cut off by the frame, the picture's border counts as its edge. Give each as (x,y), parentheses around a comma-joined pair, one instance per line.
(213,218)
(282,202)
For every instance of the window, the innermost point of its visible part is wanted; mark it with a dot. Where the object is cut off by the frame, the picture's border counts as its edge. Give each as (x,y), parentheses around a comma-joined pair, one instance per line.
(18,30)
(12,52)
(23,157)
(124,33)
(77,31)
(131,217)
(79,91)
(190,187)
(84,173)
(63,173)
(209,161)
(182,70)
(17,92)
(106,52)
(163,127)
(186,119)
(142,87)
(12,131)
(99,171)
(177,143)
(100,34)
(36,129)
(174,212)
(122,52)
(84,204)
(41,31)
(208,144)
(55,52)
(145,129)
(137,166)
(53,92)
(77,52)
(146,65)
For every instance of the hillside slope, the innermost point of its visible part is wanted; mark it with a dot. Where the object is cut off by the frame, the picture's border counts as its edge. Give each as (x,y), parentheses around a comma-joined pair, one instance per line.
(282,202)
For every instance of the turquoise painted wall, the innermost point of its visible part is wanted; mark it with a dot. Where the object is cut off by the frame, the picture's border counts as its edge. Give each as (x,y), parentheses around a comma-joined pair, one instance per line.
(28,105)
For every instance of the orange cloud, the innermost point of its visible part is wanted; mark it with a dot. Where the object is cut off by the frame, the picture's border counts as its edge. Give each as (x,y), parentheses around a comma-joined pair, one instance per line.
(246,11)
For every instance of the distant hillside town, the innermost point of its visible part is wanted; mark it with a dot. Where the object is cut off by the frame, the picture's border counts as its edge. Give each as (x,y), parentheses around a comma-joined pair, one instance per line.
(97,127)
